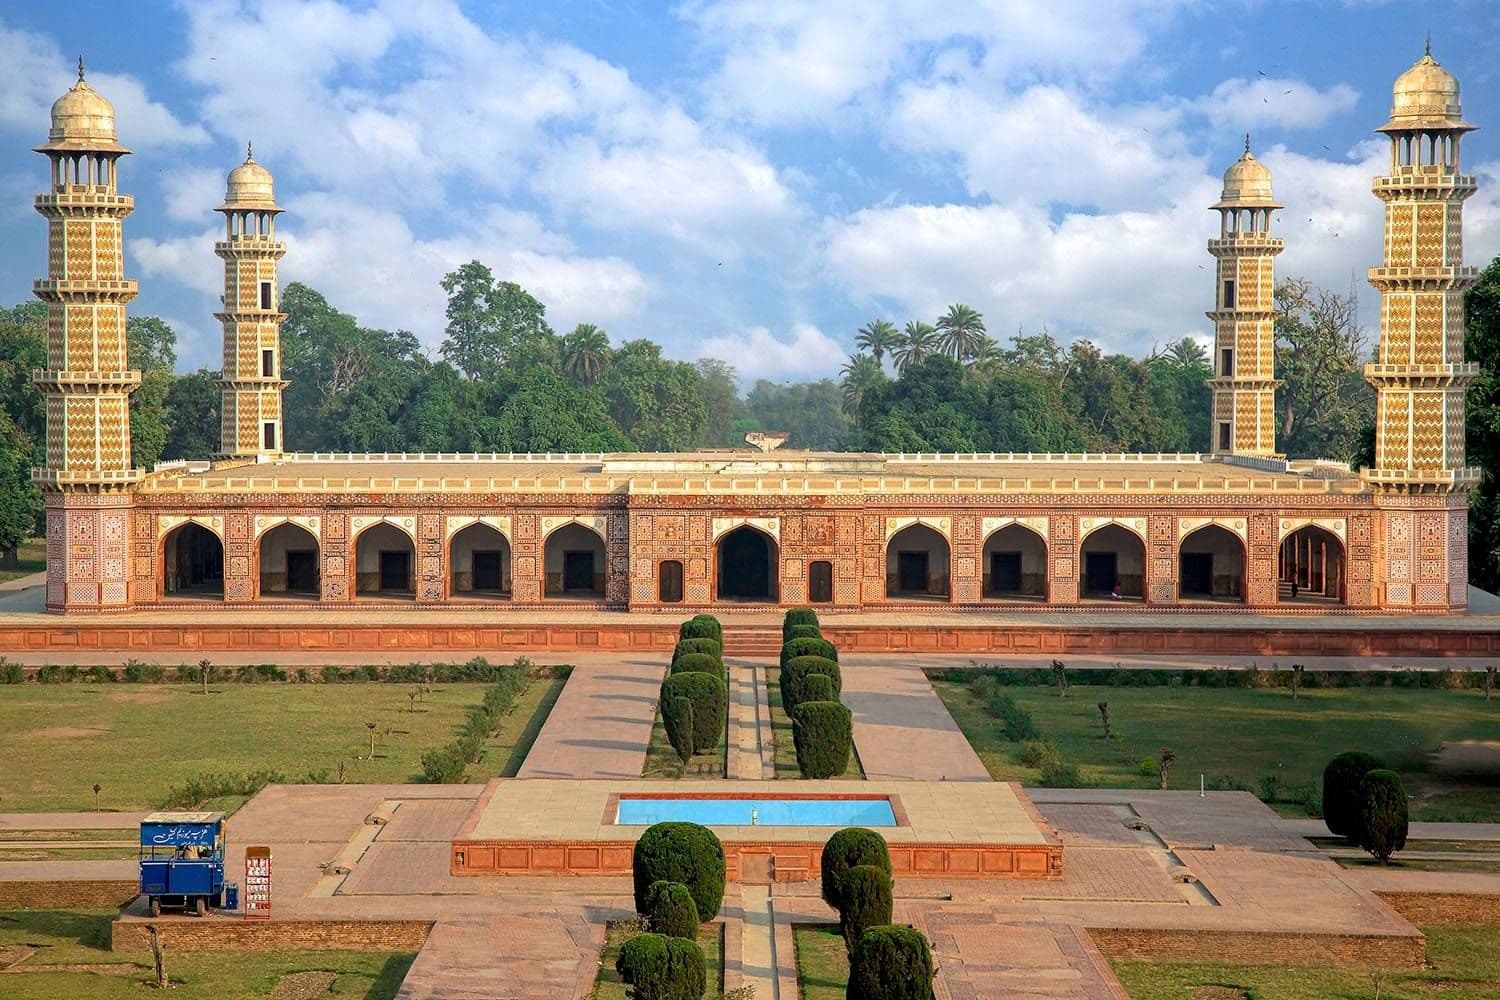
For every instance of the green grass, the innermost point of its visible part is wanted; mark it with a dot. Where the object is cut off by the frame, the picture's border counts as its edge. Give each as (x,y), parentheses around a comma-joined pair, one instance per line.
(662,761)
(1464,805)
(822,962)
(609,987)
(75,937)
(1465,965)
(137,741)
(31,558)
(1244,734)
(781,735)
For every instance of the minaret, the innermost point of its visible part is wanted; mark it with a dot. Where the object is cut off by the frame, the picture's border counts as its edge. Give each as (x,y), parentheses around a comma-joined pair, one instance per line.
(87,385)
(1419,374)
(251,384)
(1244,382)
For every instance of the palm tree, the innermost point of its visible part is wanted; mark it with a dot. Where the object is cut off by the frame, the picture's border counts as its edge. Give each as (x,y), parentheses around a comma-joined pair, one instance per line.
(860,373)
(987,349)
(961,327)
(919,341)
(585,352)
(877,337)
(1188,353)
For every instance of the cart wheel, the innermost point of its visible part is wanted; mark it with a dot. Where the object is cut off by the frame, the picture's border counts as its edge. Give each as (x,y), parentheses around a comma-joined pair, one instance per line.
(200,906)
(154,906)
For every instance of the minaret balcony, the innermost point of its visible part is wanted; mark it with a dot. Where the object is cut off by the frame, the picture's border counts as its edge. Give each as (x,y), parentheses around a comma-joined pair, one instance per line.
(249,246)
(1246,244)
(1402,277)
(62,478)
(1420,376)
(83,382)
(1426,180)
(81,289)
(1421,480)
(85,196)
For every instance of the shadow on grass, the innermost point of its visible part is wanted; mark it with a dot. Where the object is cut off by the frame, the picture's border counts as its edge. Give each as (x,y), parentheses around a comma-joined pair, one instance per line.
(390,978)
(533,729)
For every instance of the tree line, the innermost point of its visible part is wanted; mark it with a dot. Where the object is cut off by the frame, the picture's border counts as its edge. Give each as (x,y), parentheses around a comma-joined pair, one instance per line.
(503,380)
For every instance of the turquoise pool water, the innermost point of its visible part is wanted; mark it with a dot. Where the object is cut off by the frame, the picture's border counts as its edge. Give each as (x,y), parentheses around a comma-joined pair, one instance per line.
(756,812)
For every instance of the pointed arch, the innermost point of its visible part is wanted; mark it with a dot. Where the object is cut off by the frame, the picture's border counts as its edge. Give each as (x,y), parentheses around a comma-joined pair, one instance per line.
(918,558)
(479,561)
(288,558)
(1013,561)
(385,557)
(574,558)
(191,556)
(1112,560)
(746,559)
(1211,565)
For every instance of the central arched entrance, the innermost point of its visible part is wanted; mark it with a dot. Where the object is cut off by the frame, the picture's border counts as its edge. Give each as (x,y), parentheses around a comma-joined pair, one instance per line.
(1211,566)
(1310,567)
(192,563)
(479,563)
(746,560)
(384,563)
(916,564)
(1112,565)
(289,563)
(1014,565)
(574,559)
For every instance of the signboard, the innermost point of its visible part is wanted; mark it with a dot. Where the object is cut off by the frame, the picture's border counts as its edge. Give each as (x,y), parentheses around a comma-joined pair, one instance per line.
(255,901)
(179,834)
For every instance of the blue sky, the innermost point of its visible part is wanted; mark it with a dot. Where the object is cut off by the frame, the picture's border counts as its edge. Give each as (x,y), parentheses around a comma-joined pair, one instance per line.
(748,179)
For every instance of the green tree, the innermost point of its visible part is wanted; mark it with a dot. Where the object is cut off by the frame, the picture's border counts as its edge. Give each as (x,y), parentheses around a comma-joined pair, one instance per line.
(192,416)
(877,337)
(1482,345)
(1324,401)
(655,402)
(811,412)
(492,324)
(960,332)
(20,501)
(23,351)
(919,341)
(585,352)
(151,348)
(722,406)
(860,373)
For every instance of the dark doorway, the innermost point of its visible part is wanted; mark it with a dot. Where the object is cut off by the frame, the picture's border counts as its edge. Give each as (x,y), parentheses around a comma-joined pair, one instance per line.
(669,582)
(745,564)
(1101,572)
(395,570)
(578,571)
(194,562)
(486,571)
(1005,572)
(911,572)
(302,572)
(820,582)
(1197,574)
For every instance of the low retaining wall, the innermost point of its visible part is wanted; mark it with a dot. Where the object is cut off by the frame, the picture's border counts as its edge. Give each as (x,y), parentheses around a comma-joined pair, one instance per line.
(756,862)
(224,933)
(1445,907)
(1379,951)
(55,894)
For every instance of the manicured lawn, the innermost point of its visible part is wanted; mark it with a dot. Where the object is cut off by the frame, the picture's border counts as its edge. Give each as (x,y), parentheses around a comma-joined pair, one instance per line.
(139,740)
(32,557)
(1465,964)
(662,761)
(822,962)
(1248,735)
(81,937)
(609,986)
(781,735)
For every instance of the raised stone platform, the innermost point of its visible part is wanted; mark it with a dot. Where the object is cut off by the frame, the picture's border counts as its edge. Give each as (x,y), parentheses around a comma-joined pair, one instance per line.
(946,830)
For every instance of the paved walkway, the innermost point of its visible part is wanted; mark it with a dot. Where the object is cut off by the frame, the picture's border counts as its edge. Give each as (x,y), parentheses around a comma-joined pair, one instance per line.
(746,739)
(71,821)
(601,724)
(902,729)
(1418,830)
(552,953)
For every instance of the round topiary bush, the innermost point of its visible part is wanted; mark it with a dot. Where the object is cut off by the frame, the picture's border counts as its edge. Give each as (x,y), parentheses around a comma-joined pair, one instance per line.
(823,734)
(680,852)
(865,895)
(701,627)
(793,648)
(846,849)
(710,697)
(797,670)
(795,617)
(890,963)
(1382,820)
(1341,791)
(803,632)
(710,646)
(701,663)
(677,720)
(817,687)
(670,910)
(657,967)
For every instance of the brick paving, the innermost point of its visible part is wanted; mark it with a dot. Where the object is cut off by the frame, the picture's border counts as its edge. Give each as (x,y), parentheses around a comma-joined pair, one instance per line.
(902,730)
(547,954)
(984,955)
(601,724)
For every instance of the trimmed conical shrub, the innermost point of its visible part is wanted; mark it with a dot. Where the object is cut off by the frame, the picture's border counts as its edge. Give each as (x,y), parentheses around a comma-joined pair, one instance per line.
(1341,791)
(1382,821)
(680,852)
(670,910)
(865,901)
(710,698)
(846,849)
(890,963)
(677,720)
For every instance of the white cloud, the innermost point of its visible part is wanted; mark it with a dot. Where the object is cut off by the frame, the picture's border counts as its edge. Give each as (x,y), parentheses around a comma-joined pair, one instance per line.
(34,73)
(757,353)
(1248,104)
(191,194)
(183,260)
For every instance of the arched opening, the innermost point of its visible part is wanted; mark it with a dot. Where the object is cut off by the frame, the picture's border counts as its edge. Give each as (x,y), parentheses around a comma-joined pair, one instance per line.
(916,564)
(384,562)
(669,582)
(479,563)
(289,563)
(1211,566)
(574,560)
(1113,565)
(820,582)
(746,559)
(1310,567)
(1014,564)
(192,563)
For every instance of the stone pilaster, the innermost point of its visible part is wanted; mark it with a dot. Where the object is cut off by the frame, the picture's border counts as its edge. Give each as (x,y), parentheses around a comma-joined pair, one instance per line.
(1062,557)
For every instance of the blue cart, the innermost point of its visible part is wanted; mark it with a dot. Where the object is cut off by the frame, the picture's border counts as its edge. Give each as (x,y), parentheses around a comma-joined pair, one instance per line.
(182,860)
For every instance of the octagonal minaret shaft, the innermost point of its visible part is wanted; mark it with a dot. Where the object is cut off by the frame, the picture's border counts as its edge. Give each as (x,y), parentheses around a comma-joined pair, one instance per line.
(1244,384)
(88,381)
(251,384)
(1419,373)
